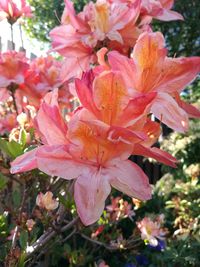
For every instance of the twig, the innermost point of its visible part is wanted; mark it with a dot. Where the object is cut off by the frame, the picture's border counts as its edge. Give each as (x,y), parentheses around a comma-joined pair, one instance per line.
(12,38)
(112,248)
(14,240)
(12,87)
(44,239)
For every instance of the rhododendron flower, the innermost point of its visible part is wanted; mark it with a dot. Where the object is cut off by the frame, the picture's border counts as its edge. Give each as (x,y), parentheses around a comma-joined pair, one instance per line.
(164,76)
(99,24)
(7,122)
(14,9)
(46,201)
(85,152)
(44,75)
(159,9)
(108,98)
(13,66)
(150,231)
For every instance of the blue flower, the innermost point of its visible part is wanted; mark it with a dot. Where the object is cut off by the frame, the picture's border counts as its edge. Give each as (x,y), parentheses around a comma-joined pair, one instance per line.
(160,247)
(142,260)
(130,265)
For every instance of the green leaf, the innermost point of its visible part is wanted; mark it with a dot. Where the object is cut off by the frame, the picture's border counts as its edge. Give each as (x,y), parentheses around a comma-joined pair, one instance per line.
(23,239)
(3,181)
(15,148)
(16,198)
(22,138)
(12,149)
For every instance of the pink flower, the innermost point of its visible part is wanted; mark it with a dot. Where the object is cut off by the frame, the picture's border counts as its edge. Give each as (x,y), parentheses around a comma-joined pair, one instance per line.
(46,201)
(159,9)
(44,75)
(13,66)
(7,122)
(164,76)
(103,264)
(150,230)
(108,98)
(106,95)
(86,153)
(14,9)
(99,24)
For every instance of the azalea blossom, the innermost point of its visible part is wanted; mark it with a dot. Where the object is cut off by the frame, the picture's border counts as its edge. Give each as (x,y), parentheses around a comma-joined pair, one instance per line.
(158,9)
(84,152)
(46,201)
(109,99)
(14,9)
(99,24)
(150,230)
(164,76)
(13,66)
(42,76)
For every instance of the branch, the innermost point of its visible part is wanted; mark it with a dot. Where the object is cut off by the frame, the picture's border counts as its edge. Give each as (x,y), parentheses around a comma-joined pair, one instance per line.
(46,237)
(112,248)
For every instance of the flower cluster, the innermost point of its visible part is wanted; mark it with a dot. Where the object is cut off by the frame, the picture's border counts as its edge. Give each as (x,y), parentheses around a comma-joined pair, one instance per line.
(118,69)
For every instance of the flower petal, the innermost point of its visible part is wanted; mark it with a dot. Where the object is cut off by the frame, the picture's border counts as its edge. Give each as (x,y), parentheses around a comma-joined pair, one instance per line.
(90,192)
(156,153)
(25,162)
(56,161)
(130,179)
(51,124)
(178,73)
(166,109)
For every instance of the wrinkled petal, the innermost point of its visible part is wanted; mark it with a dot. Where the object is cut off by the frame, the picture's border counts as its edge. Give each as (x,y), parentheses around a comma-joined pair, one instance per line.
(166,109)
(136,107)
(178,73)
(155,153)
(90,192)
(56,161)
(51,124)
(110,95)
(169,15)
(130,179)
(124,65)
(25,162)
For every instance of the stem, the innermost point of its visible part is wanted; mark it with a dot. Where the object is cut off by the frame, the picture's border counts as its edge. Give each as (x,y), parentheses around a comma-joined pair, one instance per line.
(14,101)
(21,35)
(46,237)
(111,248)
(12,88)
(12,37)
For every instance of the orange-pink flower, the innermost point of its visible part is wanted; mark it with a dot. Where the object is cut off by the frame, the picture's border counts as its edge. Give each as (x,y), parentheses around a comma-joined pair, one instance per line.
(44,75)
(150,70)
(99,24)
(84,152)
(159,9)
(13,66)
